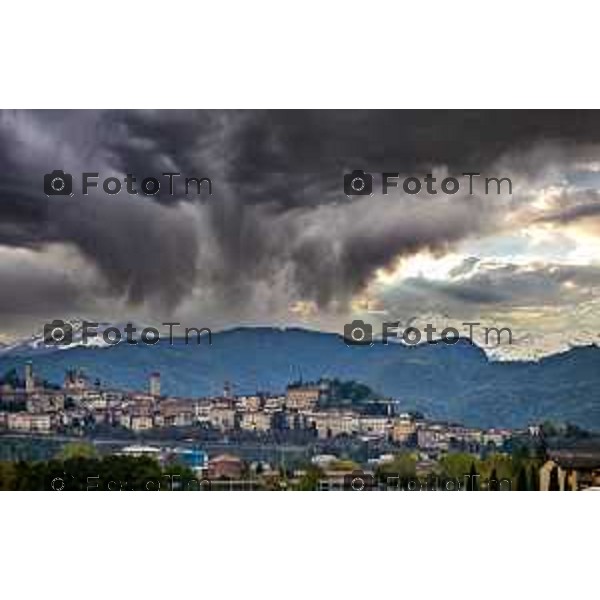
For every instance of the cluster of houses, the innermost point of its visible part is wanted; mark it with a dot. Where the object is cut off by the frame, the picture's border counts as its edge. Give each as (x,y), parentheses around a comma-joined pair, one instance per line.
(33,407)
(29,406)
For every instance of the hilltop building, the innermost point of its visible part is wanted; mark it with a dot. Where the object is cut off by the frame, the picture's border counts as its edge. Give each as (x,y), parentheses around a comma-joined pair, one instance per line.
(29,379)
(75,381)
(305,397)
(155,384)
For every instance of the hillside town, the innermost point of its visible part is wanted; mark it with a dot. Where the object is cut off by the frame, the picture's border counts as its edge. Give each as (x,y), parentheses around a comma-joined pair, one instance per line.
(313,415)
(79,405)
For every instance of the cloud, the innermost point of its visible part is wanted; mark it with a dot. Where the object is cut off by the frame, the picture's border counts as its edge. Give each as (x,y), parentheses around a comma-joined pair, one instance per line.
(546,305)
(278,231)
(142,249)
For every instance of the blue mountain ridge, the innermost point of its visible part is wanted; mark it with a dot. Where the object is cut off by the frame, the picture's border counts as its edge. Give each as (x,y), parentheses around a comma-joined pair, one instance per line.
(451,382)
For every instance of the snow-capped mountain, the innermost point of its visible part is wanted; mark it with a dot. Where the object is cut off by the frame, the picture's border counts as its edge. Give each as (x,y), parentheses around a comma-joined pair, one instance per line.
(450,382)
(70,335)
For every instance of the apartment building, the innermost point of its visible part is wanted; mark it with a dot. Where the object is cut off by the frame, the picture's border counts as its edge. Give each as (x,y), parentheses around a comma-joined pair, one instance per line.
(175,413)
(31,422)
(256,420)
(40,402)
(251,403)
(94,400)
(303,397)
(403,431)
(333,423)
(222,418)
(379,426)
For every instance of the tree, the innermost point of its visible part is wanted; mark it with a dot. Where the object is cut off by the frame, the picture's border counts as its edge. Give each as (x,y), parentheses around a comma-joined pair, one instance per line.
(574,431)
(77,450)
(344,465)
(473,479)
(403,466)
(7,475)
(534,478)
(522,482)
(549,429)
(553,484)
(501,468)
(108,473)
(493,486)
(11,378)
(310,479)
(456,465)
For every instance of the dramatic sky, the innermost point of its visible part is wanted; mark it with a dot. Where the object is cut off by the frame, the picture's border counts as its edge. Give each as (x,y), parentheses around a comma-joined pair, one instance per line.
(279,243)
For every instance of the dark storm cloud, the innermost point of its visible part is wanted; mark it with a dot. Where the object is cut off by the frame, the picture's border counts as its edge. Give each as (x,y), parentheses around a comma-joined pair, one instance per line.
(339,256)
(327,142)
(134,244)
(277,213)
(37,290)
(279,156)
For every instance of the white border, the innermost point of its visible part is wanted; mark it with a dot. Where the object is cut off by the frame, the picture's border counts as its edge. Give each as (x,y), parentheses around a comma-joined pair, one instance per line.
(461,54)
(298,545)
(311,54)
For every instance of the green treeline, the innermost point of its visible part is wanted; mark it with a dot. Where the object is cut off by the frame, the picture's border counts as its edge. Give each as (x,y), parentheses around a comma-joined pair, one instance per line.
(85,473)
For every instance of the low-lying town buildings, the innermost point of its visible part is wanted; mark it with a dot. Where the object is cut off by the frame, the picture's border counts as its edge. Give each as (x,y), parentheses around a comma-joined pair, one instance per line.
(29,406)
